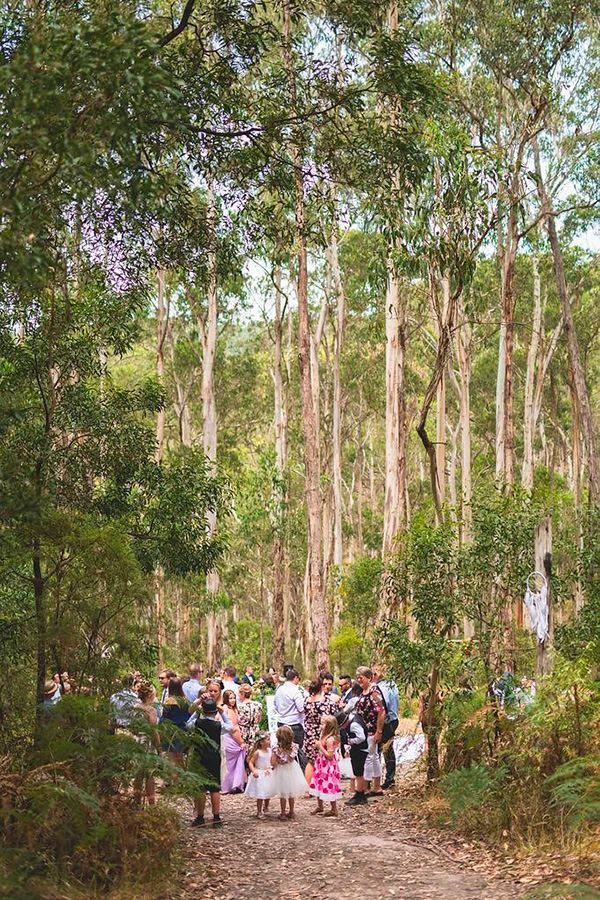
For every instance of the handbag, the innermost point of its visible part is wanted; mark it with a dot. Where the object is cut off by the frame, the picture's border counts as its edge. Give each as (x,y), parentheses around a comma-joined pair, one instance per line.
(346,767)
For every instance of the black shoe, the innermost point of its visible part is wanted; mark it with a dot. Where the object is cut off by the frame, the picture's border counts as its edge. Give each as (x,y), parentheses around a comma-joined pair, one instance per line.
(357,800)
(388,785)
(198,822)
(217,822)
(375,794)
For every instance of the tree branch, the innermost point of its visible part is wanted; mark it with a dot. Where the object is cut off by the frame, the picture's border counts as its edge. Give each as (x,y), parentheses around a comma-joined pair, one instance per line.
(183,23)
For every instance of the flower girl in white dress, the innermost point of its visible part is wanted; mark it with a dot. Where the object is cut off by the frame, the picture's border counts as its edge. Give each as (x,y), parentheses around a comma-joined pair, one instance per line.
(260,783)
(288,782)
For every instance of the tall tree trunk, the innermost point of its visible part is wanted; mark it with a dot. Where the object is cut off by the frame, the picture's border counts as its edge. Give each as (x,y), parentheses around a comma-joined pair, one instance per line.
(579,380)
(182,411)
(528,422)
(440,410)
(161,324)
(287,575)
(463,345)
(453,465)
(159,580)
(280,464)
(500,256)
(508,315)
(207,326)
(360,466)
(41,626)
(443,350)
(318,611)
(338,549)
(576,453)
(394,509)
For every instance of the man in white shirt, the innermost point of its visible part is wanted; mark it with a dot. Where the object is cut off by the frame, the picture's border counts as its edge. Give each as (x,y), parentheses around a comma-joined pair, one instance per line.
(289,706)
(228,682)
(192,687)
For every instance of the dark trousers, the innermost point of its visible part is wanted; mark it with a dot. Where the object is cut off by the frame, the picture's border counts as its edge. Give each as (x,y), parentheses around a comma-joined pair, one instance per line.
(298,739)
(390,764)
(389,755)
(344,734)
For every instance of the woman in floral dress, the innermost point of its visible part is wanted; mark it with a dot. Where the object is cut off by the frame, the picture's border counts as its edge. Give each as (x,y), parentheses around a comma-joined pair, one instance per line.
(249,715)
(315,707)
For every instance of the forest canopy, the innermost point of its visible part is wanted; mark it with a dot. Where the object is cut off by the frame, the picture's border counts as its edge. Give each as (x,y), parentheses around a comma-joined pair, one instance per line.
(299,363)
(295,298)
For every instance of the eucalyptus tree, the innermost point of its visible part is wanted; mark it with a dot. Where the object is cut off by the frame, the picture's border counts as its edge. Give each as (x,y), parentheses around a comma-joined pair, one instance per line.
(86,189)
(508,66)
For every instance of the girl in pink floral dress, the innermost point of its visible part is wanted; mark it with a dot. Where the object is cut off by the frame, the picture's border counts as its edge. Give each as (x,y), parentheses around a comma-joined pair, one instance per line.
(325,783)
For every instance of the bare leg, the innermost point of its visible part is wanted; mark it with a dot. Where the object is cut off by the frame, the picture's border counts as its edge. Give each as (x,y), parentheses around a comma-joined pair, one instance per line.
(215,802)
(282,805)
(377,784)
(318,808)
(309,771)
(200,802)
(361,784)
(292,803)
(259,808)
(332,813)
(151,790)
(176,759)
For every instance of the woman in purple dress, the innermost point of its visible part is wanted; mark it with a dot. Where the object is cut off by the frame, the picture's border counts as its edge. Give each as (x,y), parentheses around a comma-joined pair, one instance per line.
(235,750)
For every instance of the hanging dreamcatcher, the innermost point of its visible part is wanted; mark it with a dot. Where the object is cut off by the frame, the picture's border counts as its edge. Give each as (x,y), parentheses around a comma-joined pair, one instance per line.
(536,603)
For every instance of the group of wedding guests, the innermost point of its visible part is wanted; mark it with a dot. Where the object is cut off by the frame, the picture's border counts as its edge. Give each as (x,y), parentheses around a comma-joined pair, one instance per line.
(317,728)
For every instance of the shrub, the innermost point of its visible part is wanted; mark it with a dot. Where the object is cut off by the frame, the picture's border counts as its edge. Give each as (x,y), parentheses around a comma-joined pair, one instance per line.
(470,791)
(67,816)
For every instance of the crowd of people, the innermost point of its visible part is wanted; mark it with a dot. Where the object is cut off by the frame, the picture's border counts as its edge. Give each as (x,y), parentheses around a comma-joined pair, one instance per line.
(319,732)
(303,740)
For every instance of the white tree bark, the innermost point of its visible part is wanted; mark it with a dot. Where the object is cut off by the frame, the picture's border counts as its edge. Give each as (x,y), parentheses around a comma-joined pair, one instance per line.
(159,583)
(440,417)
(318,611)
(579,379)
(161,321)
(340,324)
(207,326)
(463,347)
(280,457)
(528,418)
(392,499)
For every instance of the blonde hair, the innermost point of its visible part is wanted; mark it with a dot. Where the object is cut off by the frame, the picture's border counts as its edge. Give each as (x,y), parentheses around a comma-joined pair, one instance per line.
(285,738)
(145,691)
(245,690)
(330,728)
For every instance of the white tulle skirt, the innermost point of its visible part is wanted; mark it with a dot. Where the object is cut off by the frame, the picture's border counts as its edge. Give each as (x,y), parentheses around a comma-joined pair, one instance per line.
(288,781)
(260,788)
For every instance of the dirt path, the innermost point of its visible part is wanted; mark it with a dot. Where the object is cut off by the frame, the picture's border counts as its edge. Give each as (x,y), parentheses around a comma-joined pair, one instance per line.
(369,853)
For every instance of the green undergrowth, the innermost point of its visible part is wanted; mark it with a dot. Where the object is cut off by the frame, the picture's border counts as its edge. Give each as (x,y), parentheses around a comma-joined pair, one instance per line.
(524,776)
(69,825)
